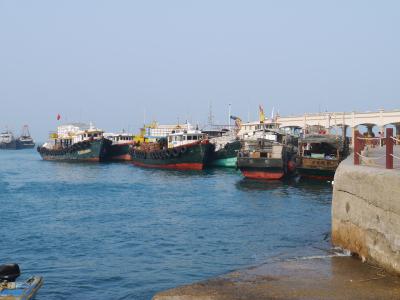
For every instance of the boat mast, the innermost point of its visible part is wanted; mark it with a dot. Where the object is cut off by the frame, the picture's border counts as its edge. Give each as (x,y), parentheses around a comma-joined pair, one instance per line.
(25,131)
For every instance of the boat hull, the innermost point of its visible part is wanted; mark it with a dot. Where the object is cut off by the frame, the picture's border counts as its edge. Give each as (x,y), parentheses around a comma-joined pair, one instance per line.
(23,291)
(9,146)
(189,157)
(229,162)
(24,145)
(262,168)
(119,152)
(318,174)
(314,168)
(89,151)
(226,156)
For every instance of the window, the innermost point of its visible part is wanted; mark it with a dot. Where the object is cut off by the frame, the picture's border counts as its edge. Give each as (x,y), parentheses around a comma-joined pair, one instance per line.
(195,137)
(189,137)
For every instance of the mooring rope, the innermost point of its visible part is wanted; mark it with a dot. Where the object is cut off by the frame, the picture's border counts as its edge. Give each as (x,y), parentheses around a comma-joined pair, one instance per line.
(394,156)
(396,140)
(370,138)
(380,157)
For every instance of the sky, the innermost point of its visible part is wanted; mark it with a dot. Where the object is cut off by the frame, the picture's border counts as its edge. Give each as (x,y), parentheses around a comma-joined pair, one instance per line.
(120,63)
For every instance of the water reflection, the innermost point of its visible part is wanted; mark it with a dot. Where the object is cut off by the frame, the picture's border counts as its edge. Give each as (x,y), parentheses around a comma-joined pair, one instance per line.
(246,184)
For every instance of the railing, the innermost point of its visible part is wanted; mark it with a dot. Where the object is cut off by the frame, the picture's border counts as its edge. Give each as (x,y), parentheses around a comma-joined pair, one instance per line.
(388,142)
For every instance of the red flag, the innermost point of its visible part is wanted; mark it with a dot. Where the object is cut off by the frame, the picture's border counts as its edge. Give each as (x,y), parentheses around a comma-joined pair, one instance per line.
(58,117)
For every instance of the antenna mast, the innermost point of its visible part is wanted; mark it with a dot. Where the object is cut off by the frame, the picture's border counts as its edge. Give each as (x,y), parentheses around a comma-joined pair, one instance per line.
(210,115)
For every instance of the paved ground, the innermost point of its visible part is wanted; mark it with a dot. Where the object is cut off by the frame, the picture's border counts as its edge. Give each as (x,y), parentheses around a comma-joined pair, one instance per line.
(313,278)
(377,157)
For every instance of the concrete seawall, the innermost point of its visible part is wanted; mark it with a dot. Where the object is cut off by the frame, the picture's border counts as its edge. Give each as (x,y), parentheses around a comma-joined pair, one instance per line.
(366,213)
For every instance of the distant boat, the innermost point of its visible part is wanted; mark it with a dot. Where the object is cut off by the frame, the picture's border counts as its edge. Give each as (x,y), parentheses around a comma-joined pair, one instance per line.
(25,140)
(7,140)
(76,142)
(119,149)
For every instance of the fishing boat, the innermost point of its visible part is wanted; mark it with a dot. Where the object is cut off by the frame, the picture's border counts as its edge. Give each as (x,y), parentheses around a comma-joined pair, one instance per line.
(119,149)
(76,142)
(182,149)
(268,154)
(320,155)
(7,140)
(226,143)
(226,148)
(25,141)
(12,290)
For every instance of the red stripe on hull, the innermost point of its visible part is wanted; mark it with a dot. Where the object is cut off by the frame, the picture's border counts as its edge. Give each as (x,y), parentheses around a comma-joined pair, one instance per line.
(263,175)
(123,157)
(181,166)
(93,159)
(317,177)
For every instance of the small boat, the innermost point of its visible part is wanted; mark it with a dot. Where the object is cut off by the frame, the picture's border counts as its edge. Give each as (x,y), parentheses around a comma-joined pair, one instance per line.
(119,149)
(12,290)
(268,154)
(320,155)
(76,142)
(182,149)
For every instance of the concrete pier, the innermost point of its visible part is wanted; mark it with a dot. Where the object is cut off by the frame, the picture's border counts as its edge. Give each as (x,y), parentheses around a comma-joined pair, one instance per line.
(313,278)
(366,213)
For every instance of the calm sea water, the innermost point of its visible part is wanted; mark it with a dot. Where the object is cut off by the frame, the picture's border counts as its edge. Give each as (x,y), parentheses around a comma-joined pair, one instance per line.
(114,231)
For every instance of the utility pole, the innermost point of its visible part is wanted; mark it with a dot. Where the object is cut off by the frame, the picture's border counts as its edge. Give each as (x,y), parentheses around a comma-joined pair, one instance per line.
(229,117)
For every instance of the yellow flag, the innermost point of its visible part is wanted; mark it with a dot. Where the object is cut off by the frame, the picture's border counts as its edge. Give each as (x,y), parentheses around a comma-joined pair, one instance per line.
(262,115)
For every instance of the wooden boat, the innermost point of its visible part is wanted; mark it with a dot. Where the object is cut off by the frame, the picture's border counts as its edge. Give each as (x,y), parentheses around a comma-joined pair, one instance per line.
(12,290)
(269,154)
(320,155)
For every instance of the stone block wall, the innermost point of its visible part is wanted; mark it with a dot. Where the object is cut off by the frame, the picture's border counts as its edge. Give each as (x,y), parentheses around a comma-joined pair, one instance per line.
(366,213)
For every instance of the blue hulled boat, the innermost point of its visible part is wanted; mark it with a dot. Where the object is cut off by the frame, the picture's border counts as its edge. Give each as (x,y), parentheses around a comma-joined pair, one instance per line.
(12,290)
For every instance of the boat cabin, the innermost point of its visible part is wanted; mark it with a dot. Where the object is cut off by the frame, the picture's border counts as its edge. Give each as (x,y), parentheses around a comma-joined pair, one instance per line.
(321,147)
(120,138)
(6,137)
(185,137)
(70,134)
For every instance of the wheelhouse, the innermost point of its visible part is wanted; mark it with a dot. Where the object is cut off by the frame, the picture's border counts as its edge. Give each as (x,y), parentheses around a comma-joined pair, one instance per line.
(177,139)
(121,138)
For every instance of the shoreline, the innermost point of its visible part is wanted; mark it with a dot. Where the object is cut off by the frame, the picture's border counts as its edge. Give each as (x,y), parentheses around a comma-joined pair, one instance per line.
(314,277)
(357,206)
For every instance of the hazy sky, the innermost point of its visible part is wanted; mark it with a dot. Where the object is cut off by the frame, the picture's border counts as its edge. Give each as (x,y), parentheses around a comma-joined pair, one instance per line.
(108,61)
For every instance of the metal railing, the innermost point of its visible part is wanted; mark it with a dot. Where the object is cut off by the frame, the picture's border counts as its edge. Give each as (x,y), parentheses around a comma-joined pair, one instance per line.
(360,143)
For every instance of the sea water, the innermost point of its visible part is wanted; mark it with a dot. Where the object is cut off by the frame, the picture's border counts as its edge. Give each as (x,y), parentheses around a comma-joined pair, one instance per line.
(114,231)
